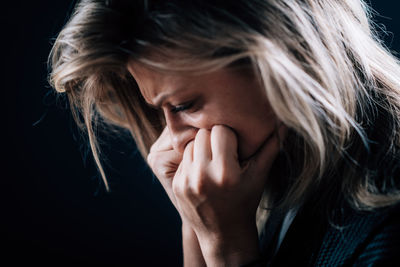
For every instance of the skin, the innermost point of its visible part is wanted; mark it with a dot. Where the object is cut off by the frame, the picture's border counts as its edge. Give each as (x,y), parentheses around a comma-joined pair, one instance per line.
(213,157)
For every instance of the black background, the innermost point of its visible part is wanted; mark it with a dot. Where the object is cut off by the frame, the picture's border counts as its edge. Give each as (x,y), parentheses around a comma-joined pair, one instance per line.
(54,208)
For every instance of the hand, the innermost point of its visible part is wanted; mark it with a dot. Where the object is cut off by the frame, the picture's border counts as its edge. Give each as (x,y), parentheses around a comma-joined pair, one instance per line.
(164,161)
(217,196)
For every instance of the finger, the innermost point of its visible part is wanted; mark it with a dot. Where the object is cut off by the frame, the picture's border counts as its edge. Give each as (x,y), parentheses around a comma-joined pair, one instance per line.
(179,183)
(163,143)
(202,146)
(188,153)
(223,144)
(164,163)
(164,166)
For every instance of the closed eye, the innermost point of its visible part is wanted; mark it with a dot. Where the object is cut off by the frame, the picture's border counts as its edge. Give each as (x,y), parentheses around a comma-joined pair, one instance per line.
(179,108)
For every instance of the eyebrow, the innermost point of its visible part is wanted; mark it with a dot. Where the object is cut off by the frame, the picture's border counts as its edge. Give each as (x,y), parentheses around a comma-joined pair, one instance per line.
(159,100)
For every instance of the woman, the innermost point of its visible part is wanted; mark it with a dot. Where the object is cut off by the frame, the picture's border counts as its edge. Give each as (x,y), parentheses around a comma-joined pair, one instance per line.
(272,125)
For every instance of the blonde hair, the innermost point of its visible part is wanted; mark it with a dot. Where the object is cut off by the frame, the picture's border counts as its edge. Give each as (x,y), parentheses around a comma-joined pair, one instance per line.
(325,72)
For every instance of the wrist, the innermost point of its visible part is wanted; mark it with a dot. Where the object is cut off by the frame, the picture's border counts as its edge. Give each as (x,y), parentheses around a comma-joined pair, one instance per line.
(188,232)
(192,255)
(236,248)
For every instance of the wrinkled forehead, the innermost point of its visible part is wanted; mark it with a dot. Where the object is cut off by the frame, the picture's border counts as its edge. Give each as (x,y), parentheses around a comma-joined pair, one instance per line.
(149,81)
(156,86)
(154,83)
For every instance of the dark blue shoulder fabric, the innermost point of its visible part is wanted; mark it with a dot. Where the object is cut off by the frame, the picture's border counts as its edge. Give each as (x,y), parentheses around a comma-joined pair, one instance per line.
(356,239)
(382,247)
(363,239)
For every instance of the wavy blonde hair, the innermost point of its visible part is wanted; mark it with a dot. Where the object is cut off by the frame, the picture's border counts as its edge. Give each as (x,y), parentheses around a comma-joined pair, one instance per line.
(327,76)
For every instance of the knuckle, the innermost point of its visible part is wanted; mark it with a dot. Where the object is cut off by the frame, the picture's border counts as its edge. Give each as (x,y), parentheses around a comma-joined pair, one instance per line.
(222,172)
(150,159)
(199,172)
(224,176)
(163,172)
(154,146)
(196,188)
(153,159)
(198,183)
(177,188)
(180,186)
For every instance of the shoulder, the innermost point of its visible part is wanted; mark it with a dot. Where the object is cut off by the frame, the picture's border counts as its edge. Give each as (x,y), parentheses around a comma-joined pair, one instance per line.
(358,239)
(365,239)
(382,247)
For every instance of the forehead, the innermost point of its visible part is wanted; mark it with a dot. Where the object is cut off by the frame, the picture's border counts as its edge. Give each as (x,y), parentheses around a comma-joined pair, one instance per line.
(152,83)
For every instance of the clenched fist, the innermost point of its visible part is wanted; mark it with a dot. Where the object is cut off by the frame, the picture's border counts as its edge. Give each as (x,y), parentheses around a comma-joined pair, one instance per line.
(213,192)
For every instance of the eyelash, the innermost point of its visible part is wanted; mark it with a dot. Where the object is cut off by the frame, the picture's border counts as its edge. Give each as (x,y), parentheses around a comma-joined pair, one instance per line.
(182,107)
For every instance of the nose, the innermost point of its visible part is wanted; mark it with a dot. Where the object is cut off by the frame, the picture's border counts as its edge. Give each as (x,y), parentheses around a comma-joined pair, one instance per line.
(181,132)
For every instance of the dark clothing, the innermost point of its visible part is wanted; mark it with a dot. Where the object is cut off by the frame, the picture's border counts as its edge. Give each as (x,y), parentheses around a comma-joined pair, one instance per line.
(350,239)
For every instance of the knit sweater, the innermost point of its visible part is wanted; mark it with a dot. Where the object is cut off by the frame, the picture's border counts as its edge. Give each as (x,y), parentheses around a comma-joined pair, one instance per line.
(351,239)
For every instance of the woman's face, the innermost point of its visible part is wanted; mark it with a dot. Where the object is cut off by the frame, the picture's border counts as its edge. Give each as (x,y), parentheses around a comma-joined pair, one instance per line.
(233,98)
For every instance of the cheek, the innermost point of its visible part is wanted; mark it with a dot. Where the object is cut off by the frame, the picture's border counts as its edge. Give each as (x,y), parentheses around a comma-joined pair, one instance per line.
(212,113)
(253,132)
(199,120)
(248,143)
